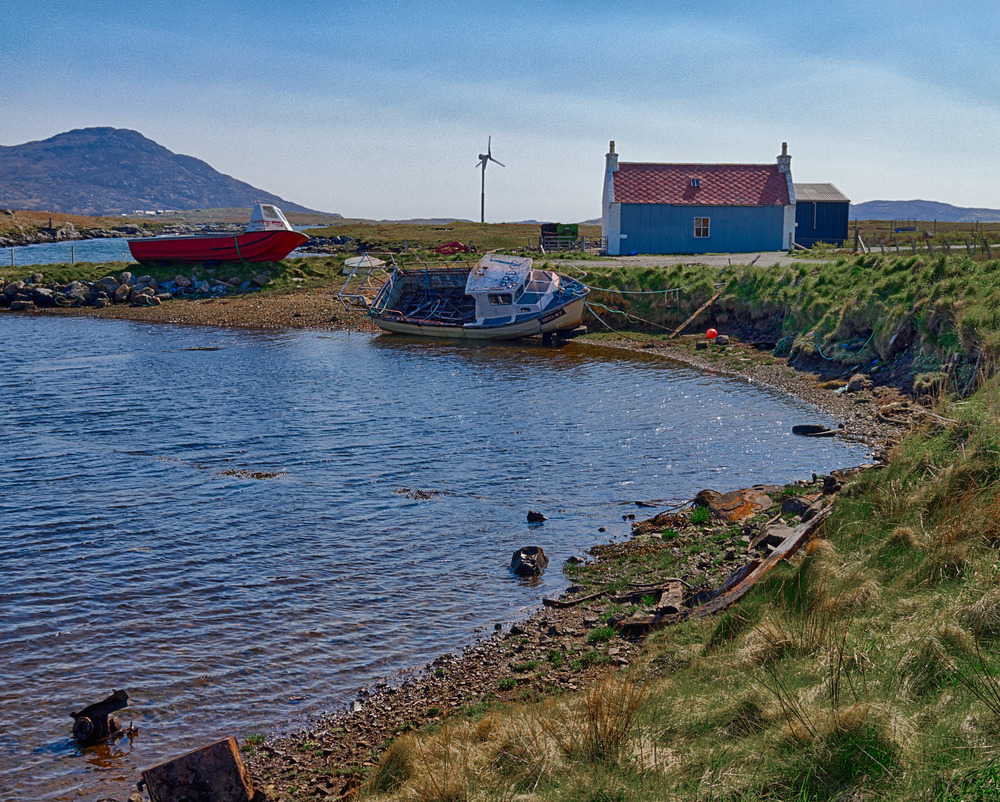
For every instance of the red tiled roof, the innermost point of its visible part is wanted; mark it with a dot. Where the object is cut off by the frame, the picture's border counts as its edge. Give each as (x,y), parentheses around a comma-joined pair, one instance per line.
(719,184)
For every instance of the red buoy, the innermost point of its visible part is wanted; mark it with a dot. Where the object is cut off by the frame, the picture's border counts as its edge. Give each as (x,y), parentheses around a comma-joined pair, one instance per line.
(711,334)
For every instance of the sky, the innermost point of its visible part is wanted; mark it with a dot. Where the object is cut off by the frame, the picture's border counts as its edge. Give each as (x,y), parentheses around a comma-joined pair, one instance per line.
(381,109)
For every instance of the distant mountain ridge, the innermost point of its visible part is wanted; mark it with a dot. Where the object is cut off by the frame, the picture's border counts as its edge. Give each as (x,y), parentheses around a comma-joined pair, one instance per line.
(99,171)
(921,210)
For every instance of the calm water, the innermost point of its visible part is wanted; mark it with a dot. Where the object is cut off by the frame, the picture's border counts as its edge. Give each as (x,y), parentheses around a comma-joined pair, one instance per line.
(228,605)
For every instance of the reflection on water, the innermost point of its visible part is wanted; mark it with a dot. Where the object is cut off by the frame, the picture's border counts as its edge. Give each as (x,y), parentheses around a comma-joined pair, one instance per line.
(242,528)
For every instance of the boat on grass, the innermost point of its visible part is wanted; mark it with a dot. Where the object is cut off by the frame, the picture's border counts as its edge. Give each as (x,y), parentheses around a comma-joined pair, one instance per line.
(268,238)
(499,298)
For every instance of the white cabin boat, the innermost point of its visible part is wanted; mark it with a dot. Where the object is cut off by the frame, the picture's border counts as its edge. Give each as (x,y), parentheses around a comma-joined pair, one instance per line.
(500,298)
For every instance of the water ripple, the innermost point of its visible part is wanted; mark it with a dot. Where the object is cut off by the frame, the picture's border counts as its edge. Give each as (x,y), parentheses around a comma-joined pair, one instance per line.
(139,551)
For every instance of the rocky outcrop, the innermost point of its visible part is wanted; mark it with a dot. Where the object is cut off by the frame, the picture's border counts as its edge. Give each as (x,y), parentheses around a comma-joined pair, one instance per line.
(528,561)
(25,296)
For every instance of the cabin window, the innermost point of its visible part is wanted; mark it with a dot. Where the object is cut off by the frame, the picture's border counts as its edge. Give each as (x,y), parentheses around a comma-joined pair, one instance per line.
(701,227)
(501,299)
(269,211)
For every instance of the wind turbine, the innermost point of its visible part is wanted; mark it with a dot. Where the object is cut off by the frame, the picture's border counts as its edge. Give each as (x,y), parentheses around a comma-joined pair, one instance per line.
(483,159)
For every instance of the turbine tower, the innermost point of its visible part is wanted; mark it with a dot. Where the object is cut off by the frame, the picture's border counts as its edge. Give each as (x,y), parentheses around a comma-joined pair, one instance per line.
(483,159)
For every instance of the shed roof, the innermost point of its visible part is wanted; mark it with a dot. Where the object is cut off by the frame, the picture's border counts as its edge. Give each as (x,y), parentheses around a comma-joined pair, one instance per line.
(819,193)
(717,185)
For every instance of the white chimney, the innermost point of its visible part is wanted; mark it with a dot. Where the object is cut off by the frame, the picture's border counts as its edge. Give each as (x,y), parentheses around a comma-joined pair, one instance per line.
(612,158)
(784,160)
(611,211)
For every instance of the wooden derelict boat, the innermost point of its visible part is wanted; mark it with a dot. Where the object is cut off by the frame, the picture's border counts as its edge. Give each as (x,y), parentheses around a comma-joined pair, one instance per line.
(268,238)
(499,298)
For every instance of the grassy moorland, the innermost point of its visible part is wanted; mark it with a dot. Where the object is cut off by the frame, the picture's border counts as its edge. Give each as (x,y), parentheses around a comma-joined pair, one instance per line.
(423,238)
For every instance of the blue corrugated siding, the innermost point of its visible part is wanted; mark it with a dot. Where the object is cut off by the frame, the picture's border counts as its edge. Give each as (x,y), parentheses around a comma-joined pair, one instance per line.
(657,228)
(821,222)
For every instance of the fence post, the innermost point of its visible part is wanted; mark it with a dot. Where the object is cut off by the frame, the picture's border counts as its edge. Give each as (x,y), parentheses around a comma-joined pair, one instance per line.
(986,245)
(930,248)
(968,250)
(913,242)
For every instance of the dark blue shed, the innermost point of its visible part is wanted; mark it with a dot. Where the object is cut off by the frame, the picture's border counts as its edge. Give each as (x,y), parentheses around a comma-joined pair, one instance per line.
(821,212)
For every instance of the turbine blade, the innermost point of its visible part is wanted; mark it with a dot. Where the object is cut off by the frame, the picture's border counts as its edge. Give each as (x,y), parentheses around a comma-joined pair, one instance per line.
(500,163)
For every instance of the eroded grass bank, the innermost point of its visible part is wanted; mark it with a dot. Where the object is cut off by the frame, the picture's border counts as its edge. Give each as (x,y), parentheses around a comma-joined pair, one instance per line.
(867,668)
(936,319)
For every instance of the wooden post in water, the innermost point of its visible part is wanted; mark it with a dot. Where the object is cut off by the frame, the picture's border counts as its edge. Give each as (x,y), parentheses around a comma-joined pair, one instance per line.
(72,254)
(11,257)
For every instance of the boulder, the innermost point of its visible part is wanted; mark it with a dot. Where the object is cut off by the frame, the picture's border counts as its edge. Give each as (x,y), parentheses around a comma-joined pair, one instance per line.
(797,505)
(182,281)
(528,561)
(203,288)
(145,300)
(737,505)
(126,278)
(43,297)
(535,517)
(261,279)
(121,293)
(22,306)
(101,301)
(12,287)
(77,291)
(34,278)
(107,284)
(859,382)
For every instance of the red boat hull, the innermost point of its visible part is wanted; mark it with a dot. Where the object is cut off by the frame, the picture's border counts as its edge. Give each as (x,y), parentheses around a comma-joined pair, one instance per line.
(250,246)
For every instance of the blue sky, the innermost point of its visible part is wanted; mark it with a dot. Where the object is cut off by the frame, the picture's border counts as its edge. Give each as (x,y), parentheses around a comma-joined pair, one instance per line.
(380,109)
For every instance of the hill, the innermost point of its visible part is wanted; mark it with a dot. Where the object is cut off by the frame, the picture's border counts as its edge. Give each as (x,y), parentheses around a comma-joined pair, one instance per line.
(921,210)
(95,171)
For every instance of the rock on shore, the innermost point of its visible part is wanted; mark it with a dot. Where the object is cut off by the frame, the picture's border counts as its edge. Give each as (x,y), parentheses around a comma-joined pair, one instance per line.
(25,296)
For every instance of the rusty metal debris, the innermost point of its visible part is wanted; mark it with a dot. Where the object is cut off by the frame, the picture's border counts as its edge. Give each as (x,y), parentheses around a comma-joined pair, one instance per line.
(95,724)
(213,773)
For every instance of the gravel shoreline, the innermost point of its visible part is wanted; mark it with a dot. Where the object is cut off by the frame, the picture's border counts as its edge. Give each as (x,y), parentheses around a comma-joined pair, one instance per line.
(329,757)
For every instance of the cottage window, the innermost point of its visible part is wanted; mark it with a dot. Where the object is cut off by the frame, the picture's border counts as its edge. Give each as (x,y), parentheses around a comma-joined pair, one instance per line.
(701,227)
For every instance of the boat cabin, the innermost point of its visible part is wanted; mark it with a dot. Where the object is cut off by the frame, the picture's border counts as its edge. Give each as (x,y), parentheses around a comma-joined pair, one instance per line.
(266,217)
(505,287)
